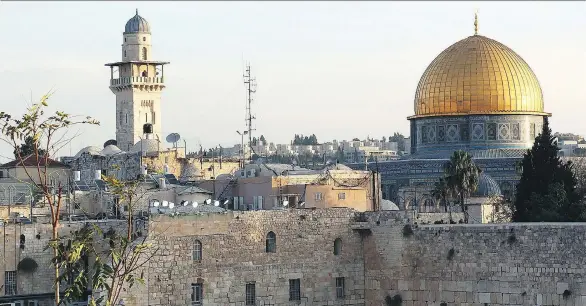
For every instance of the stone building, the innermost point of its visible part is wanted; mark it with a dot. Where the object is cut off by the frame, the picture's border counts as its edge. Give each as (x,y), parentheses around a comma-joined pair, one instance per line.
(268,186)
(477,95)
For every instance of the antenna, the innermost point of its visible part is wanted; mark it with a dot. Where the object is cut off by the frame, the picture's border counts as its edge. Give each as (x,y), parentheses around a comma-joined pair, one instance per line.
(250,84)
(173,138)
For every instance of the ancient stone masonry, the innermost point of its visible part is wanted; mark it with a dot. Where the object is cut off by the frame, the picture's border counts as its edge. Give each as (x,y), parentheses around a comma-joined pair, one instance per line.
(512,264)
(234,253)
(381,255)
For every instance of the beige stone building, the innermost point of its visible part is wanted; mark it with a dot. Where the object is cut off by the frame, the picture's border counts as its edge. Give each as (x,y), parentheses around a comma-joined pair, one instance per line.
(268,186)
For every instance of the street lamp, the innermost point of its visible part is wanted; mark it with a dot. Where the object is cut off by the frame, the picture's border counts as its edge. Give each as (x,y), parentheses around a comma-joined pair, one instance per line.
(242,147)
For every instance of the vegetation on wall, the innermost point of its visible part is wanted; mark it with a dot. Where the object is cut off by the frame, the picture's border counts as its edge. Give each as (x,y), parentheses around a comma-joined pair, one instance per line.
(547,189)
(395,300)
(451,254)
(407,230)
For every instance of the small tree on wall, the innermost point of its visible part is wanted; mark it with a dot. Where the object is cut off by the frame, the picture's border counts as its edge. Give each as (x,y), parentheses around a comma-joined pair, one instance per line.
(547,189)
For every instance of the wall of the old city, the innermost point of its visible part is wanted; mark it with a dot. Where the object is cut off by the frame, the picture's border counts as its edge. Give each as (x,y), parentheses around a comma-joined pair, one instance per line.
(510,264)
(480,264)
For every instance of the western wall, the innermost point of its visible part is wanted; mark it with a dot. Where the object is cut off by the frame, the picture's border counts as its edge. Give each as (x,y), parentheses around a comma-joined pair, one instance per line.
(384,256)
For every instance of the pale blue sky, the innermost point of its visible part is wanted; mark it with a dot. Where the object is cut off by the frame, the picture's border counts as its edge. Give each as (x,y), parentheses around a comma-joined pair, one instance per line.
(336,69)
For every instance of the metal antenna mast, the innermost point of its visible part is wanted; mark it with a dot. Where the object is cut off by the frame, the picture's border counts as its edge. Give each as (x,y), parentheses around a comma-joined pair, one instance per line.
(250,84)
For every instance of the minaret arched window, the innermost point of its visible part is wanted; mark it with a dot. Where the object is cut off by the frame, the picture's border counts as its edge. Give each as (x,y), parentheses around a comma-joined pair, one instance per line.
(144,53)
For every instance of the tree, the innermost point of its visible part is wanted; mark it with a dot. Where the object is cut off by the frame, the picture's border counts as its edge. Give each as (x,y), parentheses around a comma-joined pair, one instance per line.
(441,191)
(340,155)
(384,139)
(544,177)
(355,139)
(399,139)
(263,140)
(462,177)
(49,134)
(118,254)
(27,148)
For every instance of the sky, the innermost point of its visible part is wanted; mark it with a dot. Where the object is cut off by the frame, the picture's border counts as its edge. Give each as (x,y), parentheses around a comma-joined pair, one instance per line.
(335,69)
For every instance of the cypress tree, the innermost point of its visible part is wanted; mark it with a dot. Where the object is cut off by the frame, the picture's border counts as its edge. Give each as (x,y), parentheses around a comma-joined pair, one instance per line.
(547,189)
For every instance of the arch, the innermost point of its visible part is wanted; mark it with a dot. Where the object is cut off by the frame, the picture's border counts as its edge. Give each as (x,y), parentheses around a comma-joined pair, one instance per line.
(427,205)
(337,246)
(197,251)
(271,245)
(144,53)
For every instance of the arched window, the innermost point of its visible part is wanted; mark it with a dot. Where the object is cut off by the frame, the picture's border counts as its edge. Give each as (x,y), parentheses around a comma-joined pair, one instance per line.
(124,53)
(197,251)
(144,53)
(428,206)
(337,246)
(271,243)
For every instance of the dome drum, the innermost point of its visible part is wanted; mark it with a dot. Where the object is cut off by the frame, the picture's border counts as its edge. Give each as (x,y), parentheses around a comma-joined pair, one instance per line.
(441,136)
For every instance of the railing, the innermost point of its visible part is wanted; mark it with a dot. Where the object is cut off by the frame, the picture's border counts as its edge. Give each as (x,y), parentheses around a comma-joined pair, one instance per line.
(136,80)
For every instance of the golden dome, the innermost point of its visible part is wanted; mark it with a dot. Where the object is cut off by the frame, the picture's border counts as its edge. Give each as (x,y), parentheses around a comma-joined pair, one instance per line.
(478,75)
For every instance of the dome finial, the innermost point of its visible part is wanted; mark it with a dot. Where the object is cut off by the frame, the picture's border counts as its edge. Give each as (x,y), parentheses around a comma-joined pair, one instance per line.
(476,22)
(136,12)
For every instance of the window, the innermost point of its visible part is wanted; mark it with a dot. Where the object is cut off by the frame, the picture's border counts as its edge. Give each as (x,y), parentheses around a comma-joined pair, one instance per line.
(337,246)
(294,289)
(196,294)
(271,243)
(197,251)
(318,196)
(126,118)
(257,202)
(341,196)
(10,282)
(144,53)
(250,293)
(340,294)
(153,115)
(124,39)
(146,117)
(143,38)
(124,53)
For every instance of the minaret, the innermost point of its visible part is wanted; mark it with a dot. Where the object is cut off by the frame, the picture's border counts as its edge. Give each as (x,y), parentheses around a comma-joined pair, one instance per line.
(137,81)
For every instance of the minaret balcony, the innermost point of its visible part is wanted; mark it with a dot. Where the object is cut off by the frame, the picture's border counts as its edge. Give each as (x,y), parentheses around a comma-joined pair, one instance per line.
(136,81)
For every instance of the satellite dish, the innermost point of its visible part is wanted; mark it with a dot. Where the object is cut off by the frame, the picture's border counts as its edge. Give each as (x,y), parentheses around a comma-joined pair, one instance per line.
(165,203)
(194,204)
(185,202)
(171,204)
(226,202)
(156,203)
(301,203)
(110,142)
(173,138)
(209,201)
(216,203)
(285,203)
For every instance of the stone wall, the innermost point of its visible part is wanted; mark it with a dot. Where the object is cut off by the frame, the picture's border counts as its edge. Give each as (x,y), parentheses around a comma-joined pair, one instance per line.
(509,264)
(472,265)
(233,254)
